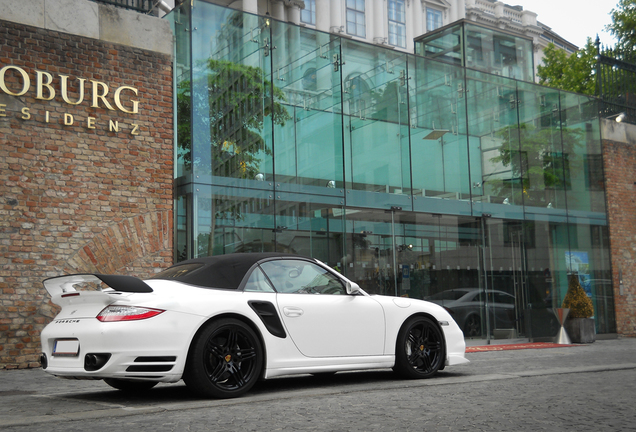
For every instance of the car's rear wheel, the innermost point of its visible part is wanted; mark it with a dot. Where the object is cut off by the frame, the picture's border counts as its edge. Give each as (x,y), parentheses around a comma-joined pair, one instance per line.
(420,348)
(130,386)
(225,359)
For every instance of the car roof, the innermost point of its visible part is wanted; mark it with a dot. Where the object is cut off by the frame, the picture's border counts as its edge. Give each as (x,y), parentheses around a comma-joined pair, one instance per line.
(223,271)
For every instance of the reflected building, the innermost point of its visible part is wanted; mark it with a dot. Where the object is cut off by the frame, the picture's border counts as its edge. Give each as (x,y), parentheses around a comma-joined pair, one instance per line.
(412,174)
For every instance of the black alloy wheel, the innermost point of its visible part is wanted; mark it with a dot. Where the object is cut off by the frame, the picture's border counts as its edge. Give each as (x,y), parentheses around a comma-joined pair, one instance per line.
(420,349)
(472,326)
(130,386)
(225,360)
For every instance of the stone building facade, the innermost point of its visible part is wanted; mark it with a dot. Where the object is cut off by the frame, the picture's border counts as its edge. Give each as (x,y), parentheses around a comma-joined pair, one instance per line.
(86,154)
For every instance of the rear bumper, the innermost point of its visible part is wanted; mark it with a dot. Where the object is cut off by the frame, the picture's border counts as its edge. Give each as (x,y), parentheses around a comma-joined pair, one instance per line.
(153,349)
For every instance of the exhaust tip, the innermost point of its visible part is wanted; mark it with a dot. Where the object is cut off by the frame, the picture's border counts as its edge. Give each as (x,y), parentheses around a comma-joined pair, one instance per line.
(44,361)
(95,361)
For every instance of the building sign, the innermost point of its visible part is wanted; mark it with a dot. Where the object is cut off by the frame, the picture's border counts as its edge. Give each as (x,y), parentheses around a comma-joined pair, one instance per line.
(15,81)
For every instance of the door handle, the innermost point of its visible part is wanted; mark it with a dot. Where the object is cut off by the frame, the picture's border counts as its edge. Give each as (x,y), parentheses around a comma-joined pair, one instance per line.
(292,311)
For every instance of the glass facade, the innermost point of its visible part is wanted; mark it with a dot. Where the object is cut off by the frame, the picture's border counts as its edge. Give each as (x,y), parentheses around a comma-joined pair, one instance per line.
(414,175)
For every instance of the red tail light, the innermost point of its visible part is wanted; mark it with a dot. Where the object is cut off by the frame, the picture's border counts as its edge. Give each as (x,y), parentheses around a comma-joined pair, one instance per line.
(127,313)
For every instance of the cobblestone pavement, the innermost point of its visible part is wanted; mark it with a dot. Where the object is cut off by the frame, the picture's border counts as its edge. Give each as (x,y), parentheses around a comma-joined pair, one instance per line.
(583,387)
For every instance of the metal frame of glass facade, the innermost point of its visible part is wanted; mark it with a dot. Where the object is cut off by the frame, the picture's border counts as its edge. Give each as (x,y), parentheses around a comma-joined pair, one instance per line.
(411,175)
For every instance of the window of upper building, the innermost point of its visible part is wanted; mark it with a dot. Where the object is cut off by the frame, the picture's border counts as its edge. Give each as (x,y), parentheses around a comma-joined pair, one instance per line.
(308,15)
(433,19)
(397,23)
(355,18)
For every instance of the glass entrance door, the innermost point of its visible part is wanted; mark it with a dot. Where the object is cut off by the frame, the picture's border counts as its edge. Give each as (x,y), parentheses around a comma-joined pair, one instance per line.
(504,280)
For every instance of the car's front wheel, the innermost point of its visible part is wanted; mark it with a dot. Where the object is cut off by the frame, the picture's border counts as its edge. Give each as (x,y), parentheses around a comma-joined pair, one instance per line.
(420,348)
(225,359)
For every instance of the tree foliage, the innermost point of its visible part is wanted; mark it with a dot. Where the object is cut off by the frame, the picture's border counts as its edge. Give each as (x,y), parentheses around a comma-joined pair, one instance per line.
(576,299)
(623,25)
(574,72)
(229,105)
(540,161)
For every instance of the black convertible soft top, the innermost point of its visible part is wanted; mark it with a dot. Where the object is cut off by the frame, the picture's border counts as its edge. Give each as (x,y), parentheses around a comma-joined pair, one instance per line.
(219,271)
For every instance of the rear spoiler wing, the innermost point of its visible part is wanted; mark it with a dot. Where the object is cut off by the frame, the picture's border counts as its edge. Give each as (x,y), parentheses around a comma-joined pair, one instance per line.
(66,284)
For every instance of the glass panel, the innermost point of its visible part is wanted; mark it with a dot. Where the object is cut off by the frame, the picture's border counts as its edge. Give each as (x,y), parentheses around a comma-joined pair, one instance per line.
(302,277)
(545,148)
(180,21)
(232,100)
(497,158)
(257,282)
(439,151)
(308,15)
(233,220)
(499,53)
(445,45)
(589,258)
(308,139)
(583,155)
(376,126)
(355,18)
(311,226)
(506,295)
(433,19)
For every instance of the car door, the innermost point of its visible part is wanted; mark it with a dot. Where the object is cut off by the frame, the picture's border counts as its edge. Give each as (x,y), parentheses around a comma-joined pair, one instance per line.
(319,315)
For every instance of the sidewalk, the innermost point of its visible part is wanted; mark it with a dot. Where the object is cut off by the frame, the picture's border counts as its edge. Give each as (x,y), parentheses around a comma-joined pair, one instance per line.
(31,396)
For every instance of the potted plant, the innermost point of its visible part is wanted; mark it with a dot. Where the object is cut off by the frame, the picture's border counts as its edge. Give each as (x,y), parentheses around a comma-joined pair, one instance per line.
(580,322)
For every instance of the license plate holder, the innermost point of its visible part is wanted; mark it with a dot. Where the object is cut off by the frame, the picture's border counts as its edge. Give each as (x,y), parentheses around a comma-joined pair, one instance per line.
(66,348)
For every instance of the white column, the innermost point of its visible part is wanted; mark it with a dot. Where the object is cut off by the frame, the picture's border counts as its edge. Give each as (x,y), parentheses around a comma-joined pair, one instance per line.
(378,32)
(293,14)
(278,9)
(461,8)
(323,15)
(417,19)
(337,14)
(250,6)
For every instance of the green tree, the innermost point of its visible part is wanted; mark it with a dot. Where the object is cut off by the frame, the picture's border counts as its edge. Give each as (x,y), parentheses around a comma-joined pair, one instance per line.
(574,72)
(540,161)
(230,104)
(623,25)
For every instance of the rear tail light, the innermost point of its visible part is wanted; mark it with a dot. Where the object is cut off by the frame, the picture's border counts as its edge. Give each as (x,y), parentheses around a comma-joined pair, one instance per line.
(127,313)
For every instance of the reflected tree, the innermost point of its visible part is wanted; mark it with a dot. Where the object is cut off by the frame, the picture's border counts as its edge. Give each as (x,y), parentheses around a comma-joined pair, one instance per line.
(540,162)
(230,108)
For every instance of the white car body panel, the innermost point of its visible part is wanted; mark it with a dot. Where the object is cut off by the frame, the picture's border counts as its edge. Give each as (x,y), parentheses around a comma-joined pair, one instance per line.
(333,325)
(324,333)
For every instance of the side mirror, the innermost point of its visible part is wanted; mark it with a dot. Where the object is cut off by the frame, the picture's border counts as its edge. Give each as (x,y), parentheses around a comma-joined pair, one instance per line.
(353,288)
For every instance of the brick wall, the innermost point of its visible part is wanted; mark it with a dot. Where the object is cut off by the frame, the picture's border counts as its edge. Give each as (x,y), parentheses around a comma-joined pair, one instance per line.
(620,173)
(91,196)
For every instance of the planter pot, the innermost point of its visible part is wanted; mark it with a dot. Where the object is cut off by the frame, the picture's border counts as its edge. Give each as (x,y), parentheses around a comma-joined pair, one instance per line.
(581,330)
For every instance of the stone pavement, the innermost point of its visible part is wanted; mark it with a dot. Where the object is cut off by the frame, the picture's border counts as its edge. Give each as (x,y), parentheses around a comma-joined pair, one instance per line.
(580,387)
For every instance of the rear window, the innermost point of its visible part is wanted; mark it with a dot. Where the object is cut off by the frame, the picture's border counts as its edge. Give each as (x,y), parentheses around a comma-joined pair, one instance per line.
(177,272)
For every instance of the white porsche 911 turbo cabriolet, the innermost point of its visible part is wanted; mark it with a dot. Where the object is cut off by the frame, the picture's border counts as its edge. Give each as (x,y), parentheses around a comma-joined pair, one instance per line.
(221,323)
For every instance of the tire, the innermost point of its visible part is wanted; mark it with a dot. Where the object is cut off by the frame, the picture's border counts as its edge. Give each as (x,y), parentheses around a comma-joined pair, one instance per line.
(420,349)
(225,360)
(130,386)
(472,326)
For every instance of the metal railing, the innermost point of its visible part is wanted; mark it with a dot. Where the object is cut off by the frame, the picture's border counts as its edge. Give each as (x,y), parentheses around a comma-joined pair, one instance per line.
(616,82)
